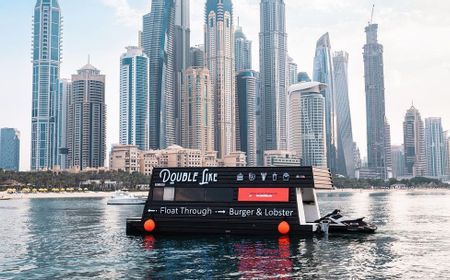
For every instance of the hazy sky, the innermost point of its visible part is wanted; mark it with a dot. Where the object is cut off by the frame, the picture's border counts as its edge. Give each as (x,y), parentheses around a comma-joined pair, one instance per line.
(415,35)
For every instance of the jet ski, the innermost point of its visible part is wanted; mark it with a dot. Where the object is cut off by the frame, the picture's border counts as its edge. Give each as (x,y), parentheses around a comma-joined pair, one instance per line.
(336,222)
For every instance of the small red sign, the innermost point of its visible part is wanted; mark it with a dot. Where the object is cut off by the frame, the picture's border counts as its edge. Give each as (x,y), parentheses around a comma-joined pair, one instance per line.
(263,194)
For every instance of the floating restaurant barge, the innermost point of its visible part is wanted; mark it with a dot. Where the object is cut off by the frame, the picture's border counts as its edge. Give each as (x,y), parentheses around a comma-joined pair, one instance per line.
(251,201)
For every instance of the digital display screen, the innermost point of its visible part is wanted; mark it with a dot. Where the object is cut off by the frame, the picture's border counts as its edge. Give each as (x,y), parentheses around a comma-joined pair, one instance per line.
(263,194)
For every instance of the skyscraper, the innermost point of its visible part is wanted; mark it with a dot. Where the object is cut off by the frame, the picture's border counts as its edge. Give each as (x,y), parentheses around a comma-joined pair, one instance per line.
(414,144)
(247,87)
(303,77)
(182,56)
(375,103)
(435,147)
(292,71)
(9,149)
(197,56)
(398,162)
(64,93)
(345,155)
(242,50)
(86,130)
(272,61)
(134,109)
(324,73)
(158,42)
(46,64)
(219,53)
(306,123)
(197,111)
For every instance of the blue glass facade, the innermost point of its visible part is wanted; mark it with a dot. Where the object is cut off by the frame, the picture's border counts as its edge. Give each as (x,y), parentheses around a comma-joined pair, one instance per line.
(45,99)
(247,94)
(134,116)
(345,156)
(324,73)
(9,149)
(158,39)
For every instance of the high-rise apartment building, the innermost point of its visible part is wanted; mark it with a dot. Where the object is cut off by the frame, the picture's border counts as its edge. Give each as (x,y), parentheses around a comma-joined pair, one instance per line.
(86,130)
(197,110)
(182,57)
(375,103)
(219,53)
(247,88)
(273,71)
(306,123)
(387,149)
(435,150)
(134,98)
(414,144)
(324,73)
(9,149)
(242,51)
(197,56)
(398,162)
(292,71)
(46,54)
(65,92)
(345,150)
(158,42)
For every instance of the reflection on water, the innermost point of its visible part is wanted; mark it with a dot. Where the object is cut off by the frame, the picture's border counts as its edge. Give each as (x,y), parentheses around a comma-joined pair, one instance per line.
(85,238)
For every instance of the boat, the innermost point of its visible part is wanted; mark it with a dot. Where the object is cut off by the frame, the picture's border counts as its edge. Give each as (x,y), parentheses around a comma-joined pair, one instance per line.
(242,200)
(336,222)
(125,198)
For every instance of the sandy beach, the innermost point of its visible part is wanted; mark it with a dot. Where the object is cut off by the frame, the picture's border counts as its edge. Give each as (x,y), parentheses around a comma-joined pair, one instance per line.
(64,195)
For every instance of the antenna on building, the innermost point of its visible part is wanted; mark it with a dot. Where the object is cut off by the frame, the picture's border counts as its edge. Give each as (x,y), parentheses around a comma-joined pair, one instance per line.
(89,59)
(238,22)
(371,15)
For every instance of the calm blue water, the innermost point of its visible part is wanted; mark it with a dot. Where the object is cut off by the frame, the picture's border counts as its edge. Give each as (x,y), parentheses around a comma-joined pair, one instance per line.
(85,238)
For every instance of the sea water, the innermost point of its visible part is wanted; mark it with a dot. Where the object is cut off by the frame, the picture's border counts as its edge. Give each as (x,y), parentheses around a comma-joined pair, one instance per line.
(85,239)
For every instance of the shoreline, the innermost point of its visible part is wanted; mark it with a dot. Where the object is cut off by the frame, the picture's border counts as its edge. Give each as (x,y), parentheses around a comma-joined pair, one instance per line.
(17,196)
(91,194)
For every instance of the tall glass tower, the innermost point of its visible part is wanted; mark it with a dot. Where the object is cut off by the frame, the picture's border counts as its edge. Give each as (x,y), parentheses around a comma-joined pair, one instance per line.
(377,150)
(134,116)
(292,71)
(324,73)
(345,155)
(219,53)
(46,63)
(272,61)
(435,148)
(247,92)
(242,51)
(65,92)
(158,42)
(9,149)
(182,57)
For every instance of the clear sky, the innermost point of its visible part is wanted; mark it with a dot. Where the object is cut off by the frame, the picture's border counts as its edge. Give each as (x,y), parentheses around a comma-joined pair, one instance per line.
(415,35)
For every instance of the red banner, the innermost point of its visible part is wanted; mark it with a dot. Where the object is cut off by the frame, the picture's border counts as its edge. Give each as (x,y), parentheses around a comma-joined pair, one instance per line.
(263,195)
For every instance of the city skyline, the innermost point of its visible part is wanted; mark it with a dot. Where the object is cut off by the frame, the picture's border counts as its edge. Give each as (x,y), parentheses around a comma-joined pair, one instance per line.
(75,54)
